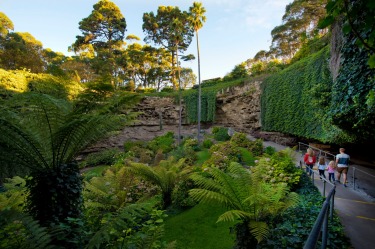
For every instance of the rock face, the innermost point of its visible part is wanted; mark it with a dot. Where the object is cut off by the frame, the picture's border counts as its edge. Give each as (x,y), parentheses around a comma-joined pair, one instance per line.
(239,107)
(236,107)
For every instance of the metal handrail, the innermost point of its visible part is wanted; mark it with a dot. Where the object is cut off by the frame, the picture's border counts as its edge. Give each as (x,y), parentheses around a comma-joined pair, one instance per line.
(321,223)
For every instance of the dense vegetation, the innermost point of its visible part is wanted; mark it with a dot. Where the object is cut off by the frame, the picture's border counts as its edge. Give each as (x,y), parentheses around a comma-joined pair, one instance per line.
(53,107)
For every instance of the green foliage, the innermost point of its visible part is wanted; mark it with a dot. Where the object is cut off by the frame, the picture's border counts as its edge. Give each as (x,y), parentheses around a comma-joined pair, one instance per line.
(269,150)
(19,81)
(222,154)
(106,157)
(247,157)
(180,195)
(166,175)
(279,168)
(292,228)
(350,109)
(208,106)
(246,199)
(207,143)
(220,133)
(14,195)
(164,143)
(134,226)
(306,87)
(128,145)
(239,139)
(21,231)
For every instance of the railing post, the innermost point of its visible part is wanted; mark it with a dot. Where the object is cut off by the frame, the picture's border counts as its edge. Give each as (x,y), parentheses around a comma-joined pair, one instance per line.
(324,188)
(332,206)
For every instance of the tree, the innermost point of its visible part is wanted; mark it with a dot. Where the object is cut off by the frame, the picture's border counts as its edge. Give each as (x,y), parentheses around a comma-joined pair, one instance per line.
(171,29)
(21,51)
(104,29)
(197,18)
(299,24)
(245,198)
(5,25)
(42,136)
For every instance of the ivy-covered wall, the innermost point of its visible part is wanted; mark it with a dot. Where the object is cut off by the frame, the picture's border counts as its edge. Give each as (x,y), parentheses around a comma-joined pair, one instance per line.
(296,100)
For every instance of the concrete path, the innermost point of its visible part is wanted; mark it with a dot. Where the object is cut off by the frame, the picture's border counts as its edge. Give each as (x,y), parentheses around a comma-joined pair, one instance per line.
(355,208)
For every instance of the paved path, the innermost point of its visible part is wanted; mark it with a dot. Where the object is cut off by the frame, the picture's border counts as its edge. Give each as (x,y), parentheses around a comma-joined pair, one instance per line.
(355,208)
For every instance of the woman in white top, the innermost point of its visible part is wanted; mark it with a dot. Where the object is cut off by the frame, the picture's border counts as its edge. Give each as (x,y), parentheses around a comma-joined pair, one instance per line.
(322,165)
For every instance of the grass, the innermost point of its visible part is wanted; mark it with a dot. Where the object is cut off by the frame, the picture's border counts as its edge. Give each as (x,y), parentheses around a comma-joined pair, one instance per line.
(196,228)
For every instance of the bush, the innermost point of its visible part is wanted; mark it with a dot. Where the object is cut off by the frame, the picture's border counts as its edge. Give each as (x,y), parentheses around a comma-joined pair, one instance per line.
(240,140)
(128,145)
(222,154)
(164,143)
(247,157)
(207,143)
(105,157)
(279,168)
(220,133)
(269,150)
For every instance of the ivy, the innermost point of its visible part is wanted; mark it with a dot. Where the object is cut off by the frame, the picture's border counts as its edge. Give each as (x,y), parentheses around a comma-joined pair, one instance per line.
(297,100)
(351,94)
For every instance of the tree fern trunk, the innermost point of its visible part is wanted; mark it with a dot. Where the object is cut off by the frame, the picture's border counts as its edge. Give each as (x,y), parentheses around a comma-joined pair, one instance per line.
(244,239)
(55,194)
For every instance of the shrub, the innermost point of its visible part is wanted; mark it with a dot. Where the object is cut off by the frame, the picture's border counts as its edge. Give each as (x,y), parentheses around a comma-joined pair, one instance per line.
(164,143)
(128,145)
(220,133)
(105,157)
(240,140)
(279,168)
(247,157)
(269,150)
(207,143)
(256,147)
(222,154)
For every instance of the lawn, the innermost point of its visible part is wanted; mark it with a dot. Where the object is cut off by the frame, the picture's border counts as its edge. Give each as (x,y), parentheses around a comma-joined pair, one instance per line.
(197,228)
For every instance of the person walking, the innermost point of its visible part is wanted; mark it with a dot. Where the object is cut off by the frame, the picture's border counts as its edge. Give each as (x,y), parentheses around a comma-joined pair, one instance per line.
(322,165)
(331,171)
(310,160)
(342,161)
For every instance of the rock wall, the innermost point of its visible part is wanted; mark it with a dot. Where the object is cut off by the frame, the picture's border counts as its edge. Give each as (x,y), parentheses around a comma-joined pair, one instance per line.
(236,107)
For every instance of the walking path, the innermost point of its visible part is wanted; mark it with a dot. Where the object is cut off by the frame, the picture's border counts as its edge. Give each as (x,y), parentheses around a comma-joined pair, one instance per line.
(355,208)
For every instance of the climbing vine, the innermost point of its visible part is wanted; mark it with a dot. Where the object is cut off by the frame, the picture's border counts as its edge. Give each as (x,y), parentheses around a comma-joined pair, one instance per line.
(297,100)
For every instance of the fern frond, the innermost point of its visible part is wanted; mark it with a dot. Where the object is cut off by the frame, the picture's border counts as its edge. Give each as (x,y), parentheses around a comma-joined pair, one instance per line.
(259,230)
(233,215)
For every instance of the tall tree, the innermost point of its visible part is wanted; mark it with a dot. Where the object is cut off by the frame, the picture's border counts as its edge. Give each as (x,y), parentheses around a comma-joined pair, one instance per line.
(171,29)
(299,23)
(21,50)
(197,18)
(104,29)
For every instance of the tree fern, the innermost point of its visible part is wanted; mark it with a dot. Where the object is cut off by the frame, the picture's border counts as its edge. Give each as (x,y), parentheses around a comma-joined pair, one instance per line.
(41,137)
(247,199)
(165,176)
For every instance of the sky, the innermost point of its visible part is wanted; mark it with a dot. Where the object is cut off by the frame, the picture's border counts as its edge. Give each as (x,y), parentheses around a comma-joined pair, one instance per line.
(235,30)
